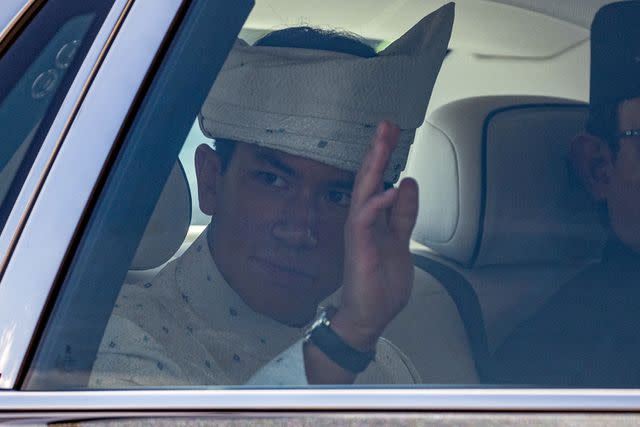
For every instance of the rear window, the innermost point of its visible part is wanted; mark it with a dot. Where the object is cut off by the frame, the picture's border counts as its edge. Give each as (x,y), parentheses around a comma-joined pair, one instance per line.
(38,68)
(211,251)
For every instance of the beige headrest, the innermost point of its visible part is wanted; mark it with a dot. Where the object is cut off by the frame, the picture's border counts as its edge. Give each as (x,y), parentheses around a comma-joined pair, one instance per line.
(168,225)
(495,186)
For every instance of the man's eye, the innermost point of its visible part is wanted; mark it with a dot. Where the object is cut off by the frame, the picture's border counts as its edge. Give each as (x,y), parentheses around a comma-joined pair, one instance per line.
(339,198)
(271,179)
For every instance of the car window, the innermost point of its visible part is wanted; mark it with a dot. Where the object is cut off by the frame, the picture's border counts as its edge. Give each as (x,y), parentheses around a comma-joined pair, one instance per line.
(209,251)
(38,68)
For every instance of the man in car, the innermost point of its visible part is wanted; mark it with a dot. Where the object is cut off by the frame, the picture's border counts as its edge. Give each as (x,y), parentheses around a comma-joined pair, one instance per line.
(301,204)
(588,334)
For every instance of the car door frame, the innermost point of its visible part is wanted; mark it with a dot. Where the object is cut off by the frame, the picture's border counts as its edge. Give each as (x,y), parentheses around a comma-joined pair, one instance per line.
(38,170)
(133,34)
(144,32)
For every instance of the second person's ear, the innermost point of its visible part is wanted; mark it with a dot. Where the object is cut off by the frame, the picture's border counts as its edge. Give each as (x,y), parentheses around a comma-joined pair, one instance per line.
(591,158)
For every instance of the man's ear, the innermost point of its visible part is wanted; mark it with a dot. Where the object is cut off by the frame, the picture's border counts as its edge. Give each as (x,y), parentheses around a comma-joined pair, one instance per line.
(591,158)
(208,171)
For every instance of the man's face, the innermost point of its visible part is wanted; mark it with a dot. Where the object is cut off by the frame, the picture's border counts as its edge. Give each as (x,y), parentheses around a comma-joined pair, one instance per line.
(622,191)
(278,223)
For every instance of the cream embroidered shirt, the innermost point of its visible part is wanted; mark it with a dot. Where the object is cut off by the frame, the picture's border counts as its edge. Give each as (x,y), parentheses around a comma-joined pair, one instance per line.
(189,327)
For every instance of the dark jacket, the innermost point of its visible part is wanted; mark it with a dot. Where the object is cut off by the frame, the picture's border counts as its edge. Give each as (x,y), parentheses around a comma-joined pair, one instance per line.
(586,335)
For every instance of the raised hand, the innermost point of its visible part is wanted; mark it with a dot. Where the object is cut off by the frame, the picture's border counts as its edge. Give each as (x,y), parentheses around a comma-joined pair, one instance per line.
(378,267)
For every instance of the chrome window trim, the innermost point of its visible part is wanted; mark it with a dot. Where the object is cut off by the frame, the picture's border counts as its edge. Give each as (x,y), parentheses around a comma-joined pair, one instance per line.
(57,127)
(458,399)
(11,10)
(22,284)
(55,215)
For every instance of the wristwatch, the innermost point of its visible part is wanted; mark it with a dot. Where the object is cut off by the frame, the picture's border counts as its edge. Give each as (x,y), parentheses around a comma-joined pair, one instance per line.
(334,347)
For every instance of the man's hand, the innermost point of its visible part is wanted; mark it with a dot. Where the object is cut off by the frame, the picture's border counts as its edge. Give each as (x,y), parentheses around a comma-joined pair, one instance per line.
(378,267)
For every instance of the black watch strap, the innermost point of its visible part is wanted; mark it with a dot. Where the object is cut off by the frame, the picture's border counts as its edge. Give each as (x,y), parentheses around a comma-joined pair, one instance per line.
(332,345)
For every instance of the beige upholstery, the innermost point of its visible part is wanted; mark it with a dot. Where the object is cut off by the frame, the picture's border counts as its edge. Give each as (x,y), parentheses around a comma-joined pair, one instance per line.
(166,229)
(430,331)
(508,200)
(498,205)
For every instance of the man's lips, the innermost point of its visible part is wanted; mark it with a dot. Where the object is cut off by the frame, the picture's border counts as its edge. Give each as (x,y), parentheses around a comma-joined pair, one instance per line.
(282,272)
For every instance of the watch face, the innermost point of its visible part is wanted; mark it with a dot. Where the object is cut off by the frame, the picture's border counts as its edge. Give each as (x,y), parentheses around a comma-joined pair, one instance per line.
(322,316)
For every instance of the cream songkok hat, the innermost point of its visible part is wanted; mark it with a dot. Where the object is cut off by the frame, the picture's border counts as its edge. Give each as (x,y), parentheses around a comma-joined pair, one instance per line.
(325,105)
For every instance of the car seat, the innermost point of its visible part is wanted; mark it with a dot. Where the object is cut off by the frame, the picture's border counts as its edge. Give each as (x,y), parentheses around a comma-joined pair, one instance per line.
(502,222)
(166,231)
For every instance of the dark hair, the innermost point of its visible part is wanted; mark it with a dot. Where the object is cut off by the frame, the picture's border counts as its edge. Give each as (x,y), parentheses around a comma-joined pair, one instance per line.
(318,39)
(302,38)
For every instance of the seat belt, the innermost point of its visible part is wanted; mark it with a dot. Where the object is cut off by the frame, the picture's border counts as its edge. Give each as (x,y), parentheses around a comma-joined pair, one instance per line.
(468,305)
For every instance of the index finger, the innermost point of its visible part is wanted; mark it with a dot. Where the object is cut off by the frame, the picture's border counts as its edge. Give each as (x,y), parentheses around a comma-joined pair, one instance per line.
(369,178)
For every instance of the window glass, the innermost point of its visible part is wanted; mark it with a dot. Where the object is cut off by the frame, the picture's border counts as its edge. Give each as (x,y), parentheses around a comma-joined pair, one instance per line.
(243,211)
(37,70)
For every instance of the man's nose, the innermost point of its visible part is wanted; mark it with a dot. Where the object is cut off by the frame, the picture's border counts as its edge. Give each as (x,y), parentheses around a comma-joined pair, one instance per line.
(297,226)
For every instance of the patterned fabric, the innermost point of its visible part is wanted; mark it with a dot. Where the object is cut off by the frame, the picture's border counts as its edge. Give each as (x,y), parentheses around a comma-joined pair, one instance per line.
(325,105)
(188,327)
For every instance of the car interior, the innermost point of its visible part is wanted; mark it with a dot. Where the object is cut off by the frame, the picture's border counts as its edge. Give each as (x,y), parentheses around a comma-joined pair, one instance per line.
(502,222)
